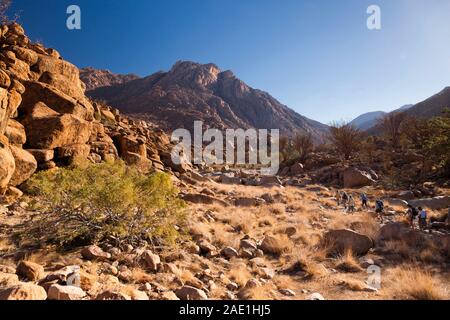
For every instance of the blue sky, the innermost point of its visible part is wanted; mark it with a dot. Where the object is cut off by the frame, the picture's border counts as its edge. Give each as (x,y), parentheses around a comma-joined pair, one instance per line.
(316,56)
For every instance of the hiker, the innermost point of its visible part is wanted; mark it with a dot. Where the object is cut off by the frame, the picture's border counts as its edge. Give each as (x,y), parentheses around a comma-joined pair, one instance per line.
(422,218)
(344,199)
(379,209)
(351,204)
(364,200)
(412,214)
(337,196)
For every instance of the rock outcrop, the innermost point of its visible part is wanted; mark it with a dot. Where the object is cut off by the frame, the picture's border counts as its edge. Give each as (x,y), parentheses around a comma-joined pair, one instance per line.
(103,78)
(47,121)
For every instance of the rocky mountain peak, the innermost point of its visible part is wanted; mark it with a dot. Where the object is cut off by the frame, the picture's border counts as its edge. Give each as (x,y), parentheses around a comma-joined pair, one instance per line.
(192,91)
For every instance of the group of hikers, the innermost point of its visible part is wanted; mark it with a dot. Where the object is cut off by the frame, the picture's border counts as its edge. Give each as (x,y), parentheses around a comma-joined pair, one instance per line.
(348,201)
(417,213)
(413,213)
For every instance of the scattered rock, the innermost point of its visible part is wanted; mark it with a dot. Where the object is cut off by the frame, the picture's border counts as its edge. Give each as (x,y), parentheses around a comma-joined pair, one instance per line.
(151,261)
(229,252)
(191,293)
(316,296)
(59,292)
(287,292)
(95,253)
(23,291)
(340,241)
(30,270)
(354,178)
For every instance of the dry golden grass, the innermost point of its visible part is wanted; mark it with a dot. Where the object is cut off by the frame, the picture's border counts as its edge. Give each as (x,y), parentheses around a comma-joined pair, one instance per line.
(412,283)
(348,263)
(140,276)
(239,274)
(277,245)
(303,261)
(256,293)
(354,284)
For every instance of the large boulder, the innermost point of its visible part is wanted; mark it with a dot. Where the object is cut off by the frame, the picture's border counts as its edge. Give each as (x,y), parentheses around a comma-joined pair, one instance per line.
(151,260)
(26,165)
(7,163)
(95,253)
(15,132)
(4,116)
(47,129)
(355,178)
(23,291)
(340,241)
(59,292)
(435,203)
(42,155)
(191,293)
(30,270)
(9,102)
(296,169)
(60,74)
(73,153)
(392,231)
(58,101)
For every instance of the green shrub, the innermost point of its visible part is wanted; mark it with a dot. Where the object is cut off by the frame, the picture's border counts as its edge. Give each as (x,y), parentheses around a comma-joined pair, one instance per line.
(104,201)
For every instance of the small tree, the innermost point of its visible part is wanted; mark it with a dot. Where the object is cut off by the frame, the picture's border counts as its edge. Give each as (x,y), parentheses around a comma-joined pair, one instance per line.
(438,142)
(4,6)
(391,125)
(303,145)
(104,201)
(284,147)
(345,138)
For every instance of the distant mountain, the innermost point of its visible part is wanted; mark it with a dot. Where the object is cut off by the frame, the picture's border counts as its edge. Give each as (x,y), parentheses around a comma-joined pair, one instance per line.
(192,91)
(368,120)
(94,79)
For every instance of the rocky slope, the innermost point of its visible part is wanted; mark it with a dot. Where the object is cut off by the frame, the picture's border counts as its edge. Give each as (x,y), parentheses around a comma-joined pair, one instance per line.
(47,121)
(432,106)
(192,91)
(94,79)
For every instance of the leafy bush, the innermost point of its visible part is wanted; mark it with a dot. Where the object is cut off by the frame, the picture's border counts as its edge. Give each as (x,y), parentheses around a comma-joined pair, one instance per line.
(104,201)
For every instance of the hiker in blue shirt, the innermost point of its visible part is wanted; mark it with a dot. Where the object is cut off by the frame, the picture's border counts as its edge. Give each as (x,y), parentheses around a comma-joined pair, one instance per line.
(422,218)
(364,200)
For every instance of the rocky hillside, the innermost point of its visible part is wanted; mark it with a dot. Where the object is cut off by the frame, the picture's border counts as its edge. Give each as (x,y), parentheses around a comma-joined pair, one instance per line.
(192,91)
(429,108)
(103,78)
(432,106)
(47,121)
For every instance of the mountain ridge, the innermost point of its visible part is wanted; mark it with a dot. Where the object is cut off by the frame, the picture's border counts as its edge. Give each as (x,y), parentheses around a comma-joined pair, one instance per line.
(95,78)
(192,91)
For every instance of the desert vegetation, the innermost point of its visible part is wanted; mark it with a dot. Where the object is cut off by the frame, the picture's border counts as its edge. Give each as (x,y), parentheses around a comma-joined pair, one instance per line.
(93,203)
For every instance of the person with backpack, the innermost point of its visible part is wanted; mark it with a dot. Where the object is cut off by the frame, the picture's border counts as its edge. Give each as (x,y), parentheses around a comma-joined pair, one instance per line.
(412,214)
(344,199)
(351,204)
(379,209)
(337,196)
(364,200)
(422,218)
